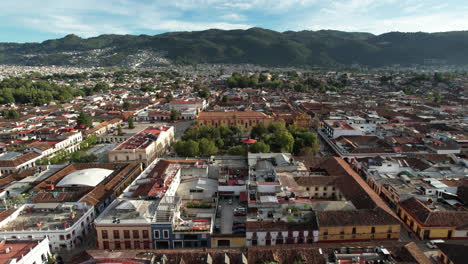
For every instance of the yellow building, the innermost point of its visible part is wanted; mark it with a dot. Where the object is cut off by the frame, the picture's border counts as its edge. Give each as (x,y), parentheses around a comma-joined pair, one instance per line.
(319,187)
(228,241)
(124,225)
(350,225)
(428,223)
(245,120)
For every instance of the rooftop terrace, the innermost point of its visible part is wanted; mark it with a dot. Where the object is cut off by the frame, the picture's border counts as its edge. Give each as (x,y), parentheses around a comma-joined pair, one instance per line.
(45,216)
(143,139)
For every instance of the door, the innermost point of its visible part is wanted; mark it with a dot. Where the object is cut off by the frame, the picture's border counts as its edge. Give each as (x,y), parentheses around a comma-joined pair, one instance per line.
(224,243)
(449,234)
(427,234)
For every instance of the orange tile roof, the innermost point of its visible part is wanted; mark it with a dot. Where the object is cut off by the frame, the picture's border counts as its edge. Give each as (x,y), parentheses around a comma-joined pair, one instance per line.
(232,115)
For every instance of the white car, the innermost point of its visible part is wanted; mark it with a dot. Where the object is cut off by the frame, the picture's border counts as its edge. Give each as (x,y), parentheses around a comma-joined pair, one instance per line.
(239,209)
(432,244)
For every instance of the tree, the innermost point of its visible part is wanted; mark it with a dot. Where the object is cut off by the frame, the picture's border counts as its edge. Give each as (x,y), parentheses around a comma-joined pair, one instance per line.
(237,151)
(204,93)
(84,120)
(169,97)
(189,148)
(11,114)
(276,127)
(83,157)
(207,147)
(119,130)
(437,98)
(101,87)
(126,105)
(284,142)
(258,131)
(50,259)
(174,115)
(131,125)
(259,147)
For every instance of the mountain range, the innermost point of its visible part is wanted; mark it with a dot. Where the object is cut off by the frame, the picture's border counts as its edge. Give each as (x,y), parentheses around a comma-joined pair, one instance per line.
(254,46)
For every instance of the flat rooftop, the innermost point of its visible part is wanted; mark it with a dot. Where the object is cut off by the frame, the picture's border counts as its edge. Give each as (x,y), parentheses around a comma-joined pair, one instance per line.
(142,139)
(129,212)
(338,124)
(45,216)
(9,155)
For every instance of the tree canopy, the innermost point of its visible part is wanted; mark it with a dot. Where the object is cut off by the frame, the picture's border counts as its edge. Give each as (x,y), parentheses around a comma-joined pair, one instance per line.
(84,119)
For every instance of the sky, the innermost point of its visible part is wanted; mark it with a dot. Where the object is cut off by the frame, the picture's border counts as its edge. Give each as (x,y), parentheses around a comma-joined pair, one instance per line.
(39,20)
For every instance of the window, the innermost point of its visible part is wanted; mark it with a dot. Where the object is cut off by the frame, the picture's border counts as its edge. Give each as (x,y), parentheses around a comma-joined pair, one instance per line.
(105,244)
(115,158)
(104,234)
(156,233)
(204,243)
(62,237)
(254,242)
(68,236)
(354,230)
(390,230)
(145,234)
(126,234)
(128,244)
(316,188)
(325,232)
(166,233)
(116,234)
(373,230)
(136,244)
(117,244)
(136,234)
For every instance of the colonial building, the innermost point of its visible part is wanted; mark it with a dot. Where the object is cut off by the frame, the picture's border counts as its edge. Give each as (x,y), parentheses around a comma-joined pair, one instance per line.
(64,224)
(433,220)
(125,224)
(145,146)
(24,251)
(246,120)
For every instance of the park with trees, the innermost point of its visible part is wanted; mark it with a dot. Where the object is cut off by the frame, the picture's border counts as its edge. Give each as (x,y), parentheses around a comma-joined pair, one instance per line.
(205,141)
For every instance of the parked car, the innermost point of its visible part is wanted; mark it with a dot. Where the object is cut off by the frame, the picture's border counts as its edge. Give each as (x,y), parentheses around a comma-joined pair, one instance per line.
(238,231)
(240,213)
(239,209)
(238,226)
(432,244)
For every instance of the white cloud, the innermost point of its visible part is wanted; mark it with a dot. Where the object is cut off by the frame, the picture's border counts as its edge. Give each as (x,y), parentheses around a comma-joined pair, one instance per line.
(178,25)
(426,23)
(380,16)
(234,17)
(90,17)
(66,25)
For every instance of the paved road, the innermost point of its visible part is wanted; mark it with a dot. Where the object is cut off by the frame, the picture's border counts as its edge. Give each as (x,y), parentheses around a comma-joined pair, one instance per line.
(101,151)
(226,217)
(325,149)
(180,127)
